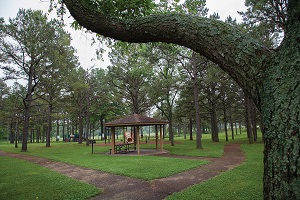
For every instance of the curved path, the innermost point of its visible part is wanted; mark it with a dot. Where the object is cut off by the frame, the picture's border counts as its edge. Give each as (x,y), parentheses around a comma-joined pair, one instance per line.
(119,187)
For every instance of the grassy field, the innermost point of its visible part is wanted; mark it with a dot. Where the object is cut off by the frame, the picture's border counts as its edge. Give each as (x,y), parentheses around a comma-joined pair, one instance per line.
(23,180)
(143,167)
(243,182)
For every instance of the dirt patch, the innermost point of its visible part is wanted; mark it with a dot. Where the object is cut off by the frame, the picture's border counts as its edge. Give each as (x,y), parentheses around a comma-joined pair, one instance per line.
(120,187)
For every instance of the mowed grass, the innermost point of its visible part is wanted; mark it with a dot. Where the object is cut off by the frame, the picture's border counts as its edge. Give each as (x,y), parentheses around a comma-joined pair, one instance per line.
(23,180)
(142,167)
(188,148)
(242,183)
(210,149)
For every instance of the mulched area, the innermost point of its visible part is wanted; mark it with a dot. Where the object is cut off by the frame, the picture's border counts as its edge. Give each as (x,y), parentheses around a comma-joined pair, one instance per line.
(120,187)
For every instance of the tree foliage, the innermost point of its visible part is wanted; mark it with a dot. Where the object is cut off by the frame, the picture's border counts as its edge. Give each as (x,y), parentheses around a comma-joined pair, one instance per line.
(121,8)
(33,48)
(266,76)
(131,74)
(266,19)
(270,12)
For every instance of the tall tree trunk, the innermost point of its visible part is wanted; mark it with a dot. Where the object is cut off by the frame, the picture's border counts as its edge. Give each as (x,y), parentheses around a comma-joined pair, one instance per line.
(102,126)
(48,134)
(249,120)
(213,114)
(63,130)
(27,106)
(191,128)
(214,123)
(17,132)
(80,126)
(171,134)
(57,130)
(231,123)
(281,115)
(38,134)
(196,102)
(81,116)
(225,119)
(184,130)
(87,142)
(11,133)
(253,121)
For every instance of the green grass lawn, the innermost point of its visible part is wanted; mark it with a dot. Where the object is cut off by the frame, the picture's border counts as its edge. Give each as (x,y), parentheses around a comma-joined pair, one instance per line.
(143,167)
(188,148)
(23,180)
(243,182)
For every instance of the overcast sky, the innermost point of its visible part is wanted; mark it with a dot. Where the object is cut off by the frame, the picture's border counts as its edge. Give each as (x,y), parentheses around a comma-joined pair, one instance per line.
(86,53)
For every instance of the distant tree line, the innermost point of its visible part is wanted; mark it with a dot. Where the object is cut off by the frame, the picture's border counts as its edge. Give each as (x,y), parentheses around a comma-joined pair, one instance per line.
(143,78)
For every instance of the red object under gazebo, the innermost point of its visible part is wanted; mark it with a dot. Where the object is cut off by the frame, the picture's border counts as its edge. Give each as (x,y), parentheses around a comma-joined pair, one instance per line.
(135,121)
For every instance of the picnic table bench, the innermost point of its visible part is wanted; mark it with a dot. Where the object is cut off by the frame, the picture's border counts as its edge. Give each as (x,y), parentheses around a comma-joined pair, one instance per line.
(124,148)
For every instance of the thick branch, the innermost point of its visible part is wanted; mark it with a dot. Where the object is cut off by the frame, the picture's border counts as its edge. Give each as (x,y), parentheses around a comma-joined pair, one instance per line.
(236,53)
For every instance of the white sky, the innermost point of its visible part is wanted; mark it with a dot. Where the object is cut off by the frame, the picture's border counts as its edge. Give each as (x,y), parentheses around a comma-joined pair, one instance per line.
(81,41)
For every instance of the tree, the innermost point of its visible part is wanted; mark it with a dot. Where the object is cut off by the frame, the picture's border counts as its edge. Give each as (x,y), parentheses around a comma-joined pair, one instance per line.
(131,74)
(26,43)
(195,8)
(105,105)
(192,69)
(60,62)
(269,78)
(267,12)
(232,103)
(185,108)
(211,89)
(166,84)
(4,94)
(79,99)
(249,126)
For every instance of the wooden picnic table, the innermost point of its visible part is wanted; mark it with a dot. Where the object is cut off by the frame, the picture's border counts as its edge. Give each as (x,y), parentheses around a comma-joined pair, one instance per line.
(124,148)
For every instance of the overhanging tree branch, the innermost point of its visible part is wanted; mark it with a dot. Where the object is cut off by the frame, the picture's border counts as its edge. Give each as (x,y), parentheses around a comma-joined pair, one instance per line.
(224,44)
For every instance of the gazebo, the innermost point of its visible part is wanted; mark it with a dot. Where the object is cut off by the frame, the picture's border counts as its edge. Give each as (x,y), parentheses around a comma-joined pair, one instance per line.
(135,121)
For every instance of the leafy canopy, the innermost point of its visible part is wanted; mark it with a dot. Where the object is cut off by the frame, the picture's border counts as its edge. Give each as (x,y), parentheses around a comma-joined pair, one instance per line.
(121,8)
(268,13)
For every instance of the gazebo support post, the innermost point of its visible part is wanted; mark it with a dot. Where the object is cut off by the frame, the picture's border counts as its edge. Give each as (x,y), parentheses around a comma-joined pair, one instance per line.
(113,140)
(138,138)
(124,134)
(161,138)
(156,137)
(133,128)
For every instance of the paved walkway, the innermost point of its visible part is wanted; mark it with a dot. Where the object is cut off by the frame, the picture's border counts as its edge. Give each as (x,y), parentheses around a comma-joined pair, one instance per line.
(117,187)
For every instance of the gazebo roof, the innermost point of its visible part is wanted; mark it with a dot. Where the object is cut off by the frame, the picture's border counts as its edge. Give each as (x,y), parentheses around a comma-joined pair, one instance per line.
(135,120)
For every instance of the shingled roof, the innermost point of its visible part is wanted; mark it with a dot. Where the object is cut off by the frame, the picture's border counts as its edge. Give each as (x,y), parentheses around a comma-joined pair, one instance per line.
(135,120)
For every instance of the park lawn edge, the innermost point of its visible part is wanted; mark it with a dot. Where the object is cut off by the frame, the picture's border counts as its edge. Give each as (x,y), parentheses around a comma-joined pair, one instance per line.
(244,182)
(38,182)
(119,165)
